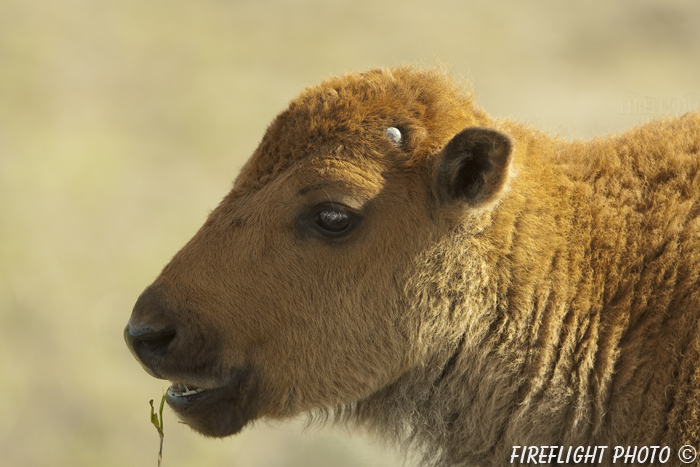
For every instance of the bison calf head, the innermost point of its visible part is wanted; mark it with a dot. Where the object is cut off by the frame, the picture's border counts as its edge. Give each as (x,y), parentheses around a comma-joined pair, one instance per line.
(299,291)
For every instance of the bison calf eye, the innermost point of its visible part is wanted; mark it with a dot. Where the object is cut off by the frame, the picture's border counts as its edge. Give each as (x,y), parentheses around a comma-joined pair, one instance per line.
(333,220)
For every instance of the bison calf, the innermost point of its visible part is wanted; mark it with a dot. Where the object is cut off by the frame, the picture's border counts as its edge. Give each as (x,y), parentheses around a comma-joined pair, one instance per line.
(393,256)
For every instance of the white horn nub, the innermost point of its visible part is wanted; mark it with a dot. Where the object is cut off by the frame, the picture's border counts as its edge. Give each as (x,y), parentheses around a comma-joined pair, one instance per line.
(395,135)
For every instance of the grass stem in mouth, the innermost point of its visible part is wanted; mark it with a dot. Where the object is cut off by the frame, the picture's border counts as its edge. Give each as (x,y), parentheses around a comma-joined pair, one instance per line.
(157,421)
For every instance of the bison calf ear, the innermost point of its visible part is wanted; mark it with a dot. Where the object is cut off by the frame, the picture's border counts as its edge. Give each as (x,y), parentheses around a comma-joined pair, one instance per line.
(474,167)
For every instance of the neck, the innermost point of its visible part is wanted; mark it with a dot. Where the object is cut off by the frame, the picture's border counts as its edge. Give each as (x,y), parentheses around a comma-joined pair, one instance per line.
(527,311)
(504,333)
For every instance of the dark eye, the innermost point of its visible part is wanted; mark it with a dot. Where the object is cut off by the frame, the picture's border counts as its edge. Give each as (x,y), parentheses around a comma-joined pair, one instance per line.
(333,220)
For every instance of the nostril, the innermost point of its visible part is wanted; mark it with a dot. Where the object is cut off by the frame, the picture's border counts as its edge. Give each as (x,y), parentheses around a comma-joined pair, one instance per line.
(148,345)
(155,342)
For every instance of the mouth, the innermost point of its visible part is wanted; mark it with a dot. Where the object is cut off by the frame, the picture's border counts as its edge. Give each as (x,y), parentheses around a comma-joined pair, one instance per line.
(212,411)
(184,397)
(182,390)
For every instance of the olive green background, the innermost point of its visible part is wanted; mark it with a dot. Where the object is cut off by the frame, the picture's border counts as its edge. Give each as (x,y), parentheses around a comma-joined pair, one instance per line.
(122,123)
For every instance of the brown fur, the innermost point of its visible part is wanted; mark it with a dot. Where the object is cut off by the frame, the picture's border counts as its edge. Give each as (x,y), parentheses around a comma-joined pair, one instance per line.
(551,299)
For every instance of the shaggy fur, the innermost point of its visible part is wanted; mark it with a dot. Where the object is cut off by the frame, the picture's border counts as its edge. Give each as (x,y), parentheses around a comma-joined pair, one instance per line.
(495,287)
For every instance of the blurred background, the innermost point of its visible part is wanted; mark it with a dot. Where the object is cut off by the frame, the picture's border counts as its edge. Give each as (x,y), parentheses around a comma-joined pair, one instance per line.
(123,123)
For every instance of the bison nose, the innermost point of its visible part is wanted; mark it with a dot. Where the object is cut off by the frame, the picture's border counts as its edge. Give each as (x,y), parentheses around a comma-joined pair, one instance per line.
(149,335)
